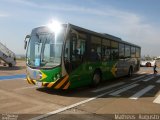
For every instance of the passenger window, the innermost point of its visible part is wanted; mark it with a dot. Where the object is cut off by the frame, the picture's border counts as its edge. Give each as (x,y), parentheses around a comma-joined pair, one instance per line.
(114,50)
(77,48)
(127,51)
(121,51)
(137,52)
(106,49)
(133,52)
(95,54)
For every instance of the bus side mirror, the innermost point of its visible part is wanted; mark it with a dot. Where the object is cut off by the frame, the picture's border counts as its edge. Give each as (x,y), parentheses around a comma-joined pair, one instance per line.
(25,41)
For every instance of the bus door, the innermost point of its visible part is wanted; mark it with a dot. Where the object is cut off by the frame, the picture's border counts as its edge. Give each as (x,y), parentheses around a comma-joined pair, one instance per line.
(74,51)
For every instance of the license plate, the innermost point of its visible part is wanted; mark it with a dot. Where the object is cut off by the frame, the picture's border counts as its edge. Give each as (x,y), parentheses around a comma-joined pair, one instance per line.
(39,84)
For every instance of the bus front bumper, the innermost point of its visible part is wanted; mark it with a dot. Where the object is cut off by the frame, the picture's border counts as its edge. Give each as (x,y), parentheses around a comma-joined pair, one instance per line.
(62,83)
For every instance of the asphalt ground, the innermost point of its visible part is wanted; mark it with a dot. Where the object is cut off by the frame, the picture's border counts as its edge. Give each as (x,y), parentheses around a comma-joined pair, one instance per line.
(137,97)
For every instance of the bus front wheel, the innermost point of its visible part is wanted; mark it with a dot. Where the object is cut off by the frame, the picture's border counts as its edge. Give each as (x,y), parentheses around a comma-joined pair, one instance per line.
(96,78)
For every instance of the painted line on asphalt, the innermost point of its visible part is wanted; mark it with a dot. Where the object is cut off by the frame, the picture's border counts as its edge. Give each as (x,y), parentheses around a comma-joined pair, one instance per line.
(139,77)
(142,92)
(150,78)
(157,100)
(116,93)
(118,84)
(69,107)
(80,103)
(108,87)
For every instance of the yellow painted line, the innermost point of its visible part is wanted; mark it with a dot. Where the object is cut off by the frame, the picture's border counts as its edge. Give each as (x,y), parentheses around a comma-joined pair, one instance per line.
(62,82)
(66,87)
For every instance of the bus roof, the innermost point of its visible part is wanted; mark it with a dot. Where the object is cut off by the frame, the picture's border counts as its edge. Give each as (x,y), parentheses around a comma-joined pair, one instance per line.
(103,35)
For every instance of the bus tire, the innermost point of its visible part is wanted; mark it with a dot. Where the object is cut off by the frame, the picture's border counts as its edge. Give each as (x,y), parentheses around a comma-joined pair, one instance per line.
(96,78)
(130,72)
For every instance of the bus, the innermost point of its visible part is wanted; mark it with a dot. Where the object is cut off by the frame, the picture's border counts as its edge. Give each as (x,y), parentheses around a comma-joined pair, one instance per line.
(66,56)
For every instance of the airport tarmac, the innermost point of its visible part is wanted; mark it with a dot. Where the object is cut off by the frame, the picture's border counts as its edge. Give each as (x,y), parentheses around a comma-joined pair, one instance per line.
(136,97)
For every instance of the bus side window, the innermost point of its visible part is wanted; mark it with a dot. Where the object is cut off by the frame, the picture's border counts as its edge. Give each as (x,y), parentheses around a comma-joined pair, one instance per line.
(95,52)
(83,50)
(106,49)
(114,50)
(94,55)
(121,51)
(78,49)
(74,49)
(127,51)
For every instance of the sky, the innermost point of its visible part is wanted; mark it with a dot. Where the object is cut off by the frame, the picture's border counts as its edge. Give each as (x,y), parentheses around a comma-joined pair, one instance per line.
(135,21)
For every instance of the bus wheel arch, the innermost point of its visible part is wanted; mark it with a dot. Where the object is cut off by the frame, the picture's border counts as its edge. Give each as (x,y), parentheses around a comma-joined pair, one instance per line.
(97,77)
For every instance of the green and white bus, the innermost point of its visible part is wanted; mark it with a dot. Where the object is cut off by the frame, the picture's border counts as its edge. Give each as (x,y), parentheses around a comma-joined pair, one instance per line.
(67,56)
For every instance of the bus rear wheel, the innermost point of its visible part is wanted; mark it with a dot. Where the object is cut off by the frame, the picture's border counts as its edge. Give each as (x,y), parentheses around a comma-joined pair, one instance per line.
(96,78)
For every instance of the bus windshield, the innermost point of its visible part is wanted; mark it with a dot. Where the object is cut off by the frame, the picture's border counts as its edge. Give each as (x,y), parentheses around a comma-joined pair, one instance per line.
(44,50)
